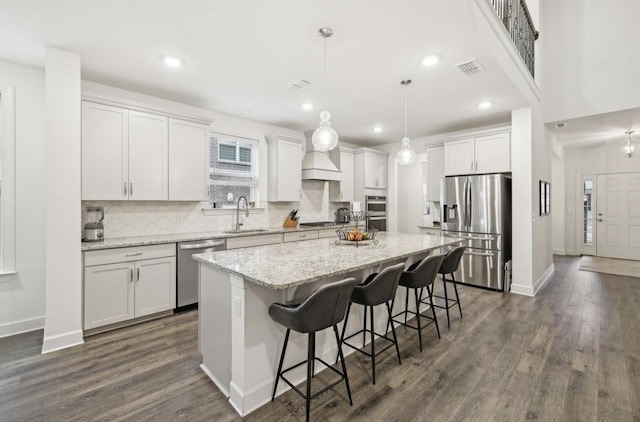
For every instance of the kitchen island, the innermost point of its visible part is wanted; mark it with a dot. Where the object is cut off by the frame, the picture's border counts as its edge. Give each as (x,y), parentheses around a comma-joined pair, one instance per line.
(239,342)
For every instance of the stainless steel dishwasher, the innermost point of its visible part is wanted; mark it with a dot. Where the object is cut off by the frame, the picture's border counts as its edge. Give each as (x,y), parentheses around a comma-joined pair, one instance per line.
(187,279)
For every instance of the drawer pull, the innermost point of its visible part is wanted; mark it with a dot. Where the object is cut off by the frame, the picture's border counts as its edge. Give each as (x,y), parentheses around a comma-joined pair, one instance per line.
(134,254)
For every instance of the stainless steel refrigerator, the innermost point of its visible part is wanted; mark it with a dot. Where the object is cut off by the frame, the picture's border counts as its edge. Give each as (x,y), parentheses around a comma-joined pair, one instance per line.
(478,209)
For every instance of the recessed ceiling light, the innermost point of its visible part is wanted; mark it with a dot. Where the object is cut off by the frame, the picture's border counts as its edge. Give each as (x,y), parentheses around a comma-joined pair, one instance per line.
(378,129)
(307,106)
(485,104)
(430,60)
(172,61)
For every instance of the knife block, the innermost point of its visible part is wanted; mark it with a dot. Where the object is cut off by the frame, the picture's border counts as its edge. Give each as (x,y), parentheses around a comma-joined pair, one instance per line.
(290,223)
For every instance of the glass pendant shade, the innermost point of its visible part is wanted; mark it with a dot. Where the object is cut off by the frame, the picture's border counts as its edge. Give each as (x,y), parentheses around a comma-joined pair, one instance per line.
(629,146)
(406,156)
(324,137)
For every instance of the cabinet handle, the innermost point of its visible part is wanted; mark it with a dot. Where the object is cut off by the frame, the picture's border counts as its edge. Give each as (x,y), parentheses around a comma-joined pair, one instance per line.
(130,188)
(340,194)
(300,193)
(303,235)
(131,275)
(125,188)
(134,254)
(476,165)
(471,165)
(137,274)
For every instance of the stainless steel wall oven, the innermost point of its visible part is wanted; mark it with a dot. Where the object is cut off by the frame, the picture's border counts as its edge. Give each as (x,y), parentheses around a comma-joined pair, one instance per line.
(376,207)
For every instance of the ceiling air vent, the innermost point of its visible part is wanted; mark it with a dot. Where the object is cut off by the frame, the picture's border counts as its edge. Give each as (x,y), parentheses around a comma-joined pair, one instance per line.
(302,83)
(560,125)
(470,67)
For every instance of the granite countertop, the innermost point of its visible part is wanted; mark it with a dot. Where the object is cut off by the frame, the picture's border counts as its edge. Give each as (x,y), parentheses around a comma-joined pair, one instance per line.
(123,242)
(291,264)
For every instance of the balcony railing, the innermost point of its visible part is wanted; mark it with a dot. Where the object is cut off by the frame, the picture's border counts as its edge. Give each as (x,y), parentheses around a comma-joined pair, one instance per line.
(515,16)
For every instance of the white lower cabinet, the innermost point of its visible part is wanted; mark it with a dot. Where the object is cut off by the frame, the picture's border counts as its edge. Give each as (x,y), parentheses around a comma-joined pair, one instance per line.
(127,283)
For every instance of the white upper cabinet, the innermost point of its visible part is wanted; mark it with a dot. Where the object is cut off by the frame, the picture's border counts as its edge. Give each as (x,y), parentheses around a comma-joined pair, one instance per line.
(148,156)
(480,154)
(124,154)
(285,168)
(434,172)
(105,152)
(188,161)
(343,191)
(459,157)
(375,170)
(493,153)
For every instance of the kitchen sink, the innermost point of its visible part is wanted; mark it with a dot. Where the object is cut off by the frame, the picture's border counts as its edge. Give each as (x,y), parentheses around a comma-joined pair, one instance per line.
(245,231)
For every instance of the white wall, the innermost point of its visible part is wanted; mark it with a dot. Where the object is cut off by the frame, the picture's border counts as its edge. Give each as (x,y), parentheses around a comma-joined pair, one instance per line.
(409,197)
(558,208)
(589,64)
(606,158)
(63,299)
(22,294)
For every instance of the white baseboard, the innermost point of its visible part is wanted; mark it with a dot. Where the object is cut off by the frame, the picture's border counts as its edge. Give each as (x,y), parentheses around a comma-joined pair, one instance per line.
(559,252)
(571,252)
(531,291)
(216,381)
(22,326)
(61,341)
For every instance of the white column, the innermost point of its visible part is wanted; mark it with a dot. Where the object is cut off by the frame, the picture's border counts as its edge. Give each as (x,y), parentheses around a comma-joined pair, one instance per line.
(63,273)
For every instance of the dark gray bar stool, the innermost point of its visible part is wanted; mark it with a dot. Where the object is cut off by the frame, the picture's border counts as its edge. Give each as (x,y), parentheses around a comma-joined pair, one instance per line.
(378,288)
(325,308)
(450,265)
(418,276)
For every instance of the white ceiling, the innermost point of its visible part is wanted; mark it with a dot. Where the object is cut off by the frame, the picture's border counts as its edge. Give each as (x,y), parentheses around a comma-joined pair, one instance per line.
(242,55)
(598,129)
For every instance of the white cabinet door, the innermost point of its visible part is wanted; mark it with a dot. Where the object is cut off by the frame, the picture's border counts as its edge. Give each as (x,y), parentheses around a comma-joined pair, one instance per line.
(155,285)
(343,191)
(105,143)
(285,170)
(375,171)
(434,173)
(108,294)
(188,161)
(148,156)
(493,153)
(459,157)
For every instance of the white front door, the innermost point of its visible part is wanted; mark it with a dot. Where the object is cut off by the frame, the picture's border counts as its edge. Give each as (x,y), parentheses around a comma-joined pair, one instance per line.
(618,216)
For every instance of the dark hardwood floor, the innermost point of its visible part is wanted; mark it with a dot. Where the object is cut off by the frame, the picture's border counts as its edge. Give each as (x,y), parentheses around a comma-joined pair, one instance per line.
(570,354)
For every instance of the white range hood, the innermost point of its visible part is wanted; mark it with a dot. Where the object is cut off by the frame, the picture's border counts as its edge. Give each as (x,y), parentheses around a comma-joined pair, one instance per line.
(317,165)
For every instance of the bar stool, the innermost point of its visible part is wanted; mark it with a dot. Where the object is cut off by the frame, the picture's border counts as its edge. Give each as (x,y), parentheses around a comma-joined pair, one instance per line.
(450,265)
(418,276)
(378,288)
(325,308)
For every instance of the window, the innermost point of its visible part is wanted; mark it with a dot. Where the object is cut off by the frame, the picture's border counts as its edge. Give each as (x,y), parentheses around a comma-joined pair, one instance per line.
(233,170)
(587,212)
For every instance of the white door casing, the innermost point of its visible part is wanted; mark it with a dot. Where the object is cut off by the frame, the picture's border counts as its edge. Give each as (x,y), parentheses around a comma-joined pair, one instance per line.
(618,215)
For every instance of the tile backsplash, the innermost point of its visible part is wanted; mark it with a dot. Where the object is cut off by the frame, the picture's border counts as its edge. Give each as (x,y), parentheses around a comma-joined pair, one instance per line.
(140,218)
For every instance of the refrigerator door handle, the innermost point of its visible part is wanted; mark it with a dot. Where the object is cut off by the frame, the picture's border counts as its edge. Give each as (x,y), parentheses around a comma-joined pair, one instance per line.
(470,202)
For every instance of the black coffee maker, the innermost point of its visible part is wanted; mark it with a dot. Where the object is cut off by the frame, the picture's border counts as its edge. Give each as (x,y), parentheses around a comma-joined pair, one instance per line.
(343,216)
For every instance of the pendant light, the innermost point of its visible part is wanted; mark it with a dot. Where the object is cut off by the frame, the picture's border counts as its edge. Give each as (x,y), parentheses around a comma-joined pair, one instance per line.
(406,156)
(629,147)
(324,137)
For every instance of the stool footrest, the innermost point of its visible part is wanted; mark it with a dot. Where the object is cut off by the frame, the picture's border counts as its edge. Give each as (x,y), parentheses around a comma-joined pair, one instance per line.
(450,302)
(313,396)
(357,349)
(431,320)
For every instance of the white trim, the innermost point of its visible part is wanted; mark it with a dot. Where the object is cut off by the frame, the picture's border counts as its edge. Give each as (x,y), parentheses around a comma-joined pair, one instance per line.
(8,203)
(531,291)
(216,381)
(62,341)
(22,326)
(559,252)
(571,252)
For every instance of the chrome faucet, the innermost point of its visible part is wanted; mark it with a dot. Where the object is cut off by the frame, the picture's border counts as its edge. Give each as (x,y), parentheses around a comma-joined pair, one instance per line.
(246,206)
